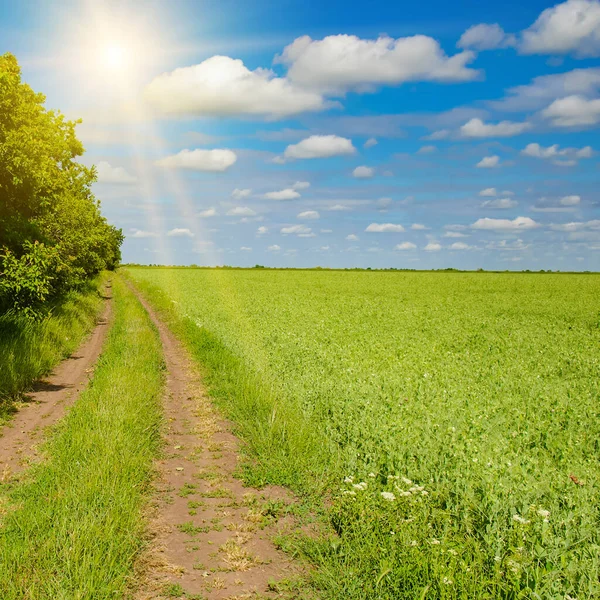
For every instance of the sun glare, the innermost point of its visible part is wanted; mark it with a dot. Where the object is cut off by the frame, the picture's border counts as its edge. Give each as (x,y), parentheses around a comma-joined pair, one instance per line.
(114,57)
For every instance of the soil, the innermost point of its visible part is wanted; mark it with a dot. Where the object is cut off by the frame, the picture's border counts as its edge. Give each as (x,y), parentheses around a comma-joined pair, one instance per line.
(49,400)
(210,537)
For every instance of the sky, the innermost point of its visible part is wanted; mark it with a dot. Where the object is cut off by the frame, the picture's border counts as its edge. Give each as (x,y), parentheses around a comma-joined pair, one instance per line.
(334,134)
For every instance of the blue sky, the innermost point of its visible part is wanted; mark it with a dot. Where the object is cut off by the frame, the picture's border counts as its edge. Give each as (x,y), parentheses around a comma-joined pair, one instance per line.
(409,135)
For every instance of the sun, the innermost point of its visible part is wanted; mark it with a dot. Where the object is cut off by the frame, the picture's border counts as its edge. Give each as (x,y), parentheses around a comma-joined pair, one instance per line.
(114,57)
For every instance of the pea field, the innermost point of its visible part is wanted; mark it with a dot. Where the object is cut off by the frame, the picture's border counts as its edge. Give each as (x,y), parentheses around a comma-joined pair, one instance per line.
(446,426)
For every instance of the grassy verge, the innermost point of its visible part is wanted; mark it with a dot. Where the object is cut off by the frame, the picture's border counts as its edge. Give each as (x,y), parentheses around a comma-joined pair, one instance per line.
(74,527)
(30,349)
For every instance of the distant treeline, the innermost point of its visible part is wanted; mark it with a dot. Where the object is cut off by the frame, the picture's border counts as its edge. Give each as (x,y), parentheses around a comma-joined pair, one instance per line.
(382,269)
(53,237)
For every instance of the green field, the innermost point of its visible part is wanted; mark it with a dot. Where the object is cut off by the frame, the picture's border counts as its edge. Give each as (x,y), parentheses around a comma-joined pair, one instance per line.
(470,399)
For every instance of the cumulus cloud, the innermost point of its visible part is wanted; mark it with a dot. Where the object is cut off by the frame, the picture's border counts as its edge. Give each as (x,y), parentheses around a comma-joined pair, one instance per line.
(405,246)
(241,211)
(297,229)
(556,152)
(246,249)
(370,143)
(547,88)
(222,86)
(520,223)
(570,200)
(573,111)
(440,134)
(200,160)
(488,192)
(486,36)
(460,246)
(384,228)
(570,27)
(476,128)
(418,227)
(488,162)
(287,194)
(109,174)
(426,150)
(320,146)
(363,172)
(576,226)
(139,233)
(433,247)
(507,245)
(339,207)
(455,234)
(308,214)
(238,194)
(180,233)
(301,185)
(274,248)
(352,238)
(383,203)
(500,203)
(339,63)
(262,230)
(209,212)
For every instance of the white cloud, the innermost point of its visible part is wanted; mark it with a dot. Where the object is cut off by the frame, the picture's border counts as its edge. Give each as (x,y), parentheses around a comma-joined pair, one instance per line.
(320,146)
(540,152)
(384,228)
(418,227)
(241,211)
(488,162)
(200,160)
(573,111)
(363,172)
(298,229)
(433,247)
(274,248)
(339,207)
(222,86)
(138,233)
(519,223)
(476,128)
(180,233)
(383,203)
(209,212)
(287,194)
(405,246)
(326,231)
(486,37)
(585,152)
(546,88)
(324,248)
(499,203)
(507,245)
(301,185)
(238,194)
(370,143)
(488,192)
(460,246)
(455,234)
(440,134)
(339,63)
(426,150)
(109,174)
(576,226)
(246,249)
(554,151)
(352,238)
(570,200)
(262,230)
(573,26)
(308,214)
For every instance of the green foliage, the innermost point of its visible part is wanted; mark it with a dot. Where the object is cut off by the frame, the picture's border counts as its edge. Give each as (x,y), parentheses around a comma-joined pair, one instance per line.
(442,415)
(74,526)
(52,234)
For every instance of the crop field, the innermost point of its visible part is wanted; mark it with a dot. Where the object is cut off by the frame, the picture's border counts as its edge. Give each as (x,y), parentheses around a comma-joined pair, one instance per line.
(451,420)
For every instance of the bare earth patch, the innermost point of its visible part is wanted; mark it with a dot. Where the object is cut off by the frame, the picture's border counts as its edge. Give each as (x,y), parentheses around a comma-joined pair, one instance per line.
(49,400)
(211,536)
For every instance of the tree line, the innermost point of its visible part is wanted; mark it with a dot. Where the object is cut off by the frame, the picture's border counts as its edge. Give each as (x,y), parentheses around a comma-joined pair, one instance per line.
(53,237)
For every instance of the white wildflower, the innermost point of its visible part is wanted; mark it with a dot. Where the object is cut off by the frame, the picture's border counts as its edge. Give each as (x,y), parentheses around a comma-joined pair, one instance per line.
(434,542)
(424,493)
(349,493)
(388,496)
(371,474)
(405,494)
(447,581)
(348,479)
(543,513)
(497,558)
(452,551)
(360,486)
(406,481)
(413,543)
(520,519)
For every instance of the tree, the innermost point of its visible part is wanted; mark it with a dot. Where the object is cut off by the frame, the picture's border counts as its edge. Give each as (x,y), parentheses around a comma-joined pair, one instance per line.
(53,236)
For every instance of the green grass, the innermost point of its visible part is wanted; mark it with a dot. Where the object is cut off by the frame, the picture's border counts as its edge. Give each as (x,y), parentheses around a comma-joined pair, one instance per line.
(30,349)
(470,398)
(73,528)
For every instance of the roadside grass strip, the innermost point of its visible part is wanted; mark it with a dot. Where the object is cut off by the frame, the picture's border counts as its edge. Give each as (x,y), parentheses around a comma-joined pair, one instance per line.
(30,349)
(74,527)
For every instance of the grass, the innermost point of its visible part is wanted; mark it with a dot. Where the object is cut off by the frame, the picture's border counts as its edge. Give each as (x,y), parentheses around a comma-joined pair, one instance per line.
(30,349)
(73,527)
(449,419)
